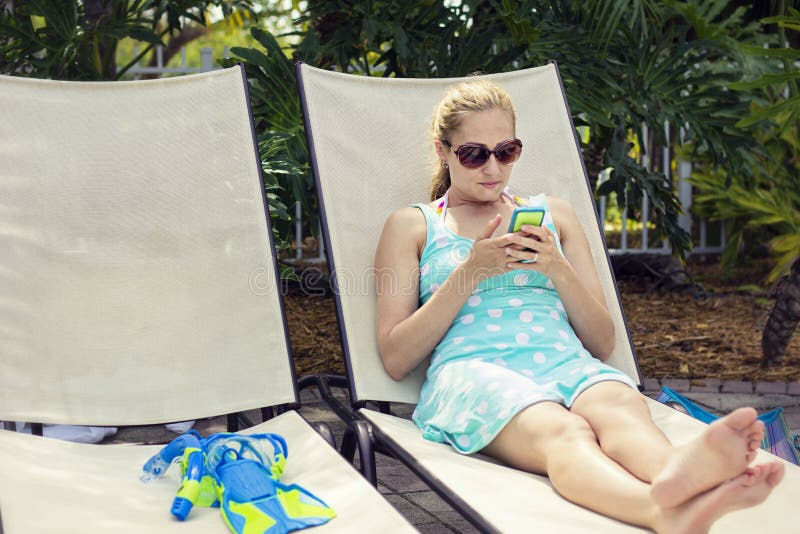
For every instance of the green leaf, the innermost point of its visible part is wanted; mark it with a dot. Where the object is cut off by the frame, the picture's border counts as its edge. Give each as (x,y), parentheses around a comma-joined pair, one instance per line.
(766,81)
(782,53)
(787,106)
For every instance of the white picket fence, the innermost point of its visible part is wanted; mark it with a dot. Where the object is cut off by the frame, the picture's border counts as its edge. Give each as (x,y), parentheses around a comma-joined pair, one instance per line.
(702,244)
(207,63)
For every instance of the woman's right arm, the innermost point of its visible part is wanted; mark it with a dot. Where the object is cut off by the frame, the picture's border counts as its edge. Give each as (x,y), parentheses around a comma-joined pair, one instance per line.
(407,333)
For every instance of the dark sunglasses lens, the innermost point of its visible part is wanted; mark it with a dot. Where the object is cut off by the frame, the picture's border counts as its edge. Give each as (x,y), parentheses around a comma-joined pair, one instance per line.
(508,153)
(472,156)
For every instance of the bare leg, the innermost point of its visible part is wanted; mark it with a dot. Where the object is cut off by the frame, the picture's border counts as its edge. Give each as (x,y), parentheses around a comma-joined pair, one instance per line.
(621,419)
(546,438)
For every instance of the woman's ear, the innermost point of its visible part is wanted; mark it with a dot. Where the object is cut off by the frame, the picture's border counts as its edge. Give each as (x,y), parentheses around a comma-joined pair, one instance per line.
(441,150)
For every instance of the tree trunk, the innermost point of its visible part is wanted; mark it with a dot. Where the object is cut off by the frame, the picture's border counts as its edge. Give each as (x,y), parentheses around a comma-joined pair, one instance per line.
(783,318)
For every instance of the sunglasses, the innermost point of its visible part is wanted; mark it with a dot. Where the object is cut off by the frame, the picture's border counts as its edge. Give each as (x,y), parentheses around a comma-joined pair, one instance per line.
(474,155)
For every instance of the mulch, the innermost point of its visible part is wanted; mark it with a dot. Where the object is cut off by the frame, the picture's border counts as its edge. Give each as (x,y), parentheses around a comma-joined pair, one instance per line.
(712,331)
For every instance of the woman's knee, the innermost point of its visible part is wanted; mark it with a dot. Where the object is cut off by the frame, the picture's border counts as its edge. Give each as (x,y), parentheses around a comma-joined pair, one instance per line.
(569,438)
(613,399)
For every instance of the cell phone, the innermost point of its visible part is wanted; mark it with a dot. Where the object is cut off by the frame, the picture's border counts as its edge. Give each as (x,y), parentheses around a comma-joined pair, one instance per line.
(525,215)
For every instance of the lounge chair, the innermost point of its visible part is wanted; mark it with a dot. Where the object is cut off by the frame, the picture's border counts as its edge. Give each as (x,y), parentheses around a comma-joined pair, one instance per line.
(138,286)
(369,139)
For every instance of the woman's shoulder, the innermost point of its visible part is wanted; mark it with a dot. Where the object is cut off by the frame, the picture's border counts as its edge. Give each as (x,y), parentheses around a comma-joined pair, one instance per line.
(407,220)
(405,227)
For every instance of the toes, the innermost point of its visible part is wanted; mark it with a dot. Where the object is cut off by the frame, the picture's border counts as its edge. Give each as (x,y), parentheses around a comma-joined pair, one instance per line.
(775,473)
(741,418)
(750,476)
(757,428)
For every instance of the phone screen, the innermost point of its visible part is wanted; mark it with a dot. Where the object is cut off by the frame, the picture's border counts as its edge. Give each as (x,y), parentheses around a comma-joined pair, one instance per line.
(525,215)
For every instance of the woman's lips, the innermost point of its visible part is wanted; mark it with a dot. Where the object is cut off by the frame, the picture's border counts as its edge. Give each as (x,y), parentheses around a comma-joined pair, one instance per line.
(489,185)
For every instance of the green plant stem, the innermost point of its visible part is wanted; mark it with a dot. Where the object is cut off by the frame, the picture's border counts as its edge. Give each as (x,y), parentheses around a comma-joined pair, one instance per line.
(787,64)
(139,56)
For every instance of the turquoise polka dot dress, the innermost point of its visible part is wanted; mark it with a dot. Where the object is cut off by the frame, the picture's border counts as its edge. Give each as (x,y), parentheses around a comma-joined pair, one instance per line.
(509,347)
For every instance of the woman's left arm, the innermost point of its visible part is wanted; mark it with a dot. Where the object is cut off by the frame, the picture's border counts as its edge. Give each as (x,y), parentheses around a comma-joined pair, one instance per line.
(574,276)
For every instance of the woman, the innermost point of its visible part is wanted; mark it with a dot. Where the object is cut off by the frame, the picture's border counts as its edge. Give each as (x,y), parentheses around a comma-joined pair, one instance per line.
(517,327)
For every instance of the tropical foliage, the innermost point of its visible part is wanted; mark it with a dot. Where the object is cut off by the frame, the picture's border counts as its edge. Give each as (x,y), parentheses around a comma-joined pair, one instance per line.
(78,40)
(764,199)
(624,64)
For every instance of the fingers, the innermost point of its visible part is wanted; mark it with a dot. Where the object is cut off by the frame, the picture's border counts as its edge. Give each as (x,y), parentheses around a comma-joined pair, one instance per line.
(542,233)
(490,227)
(514,255)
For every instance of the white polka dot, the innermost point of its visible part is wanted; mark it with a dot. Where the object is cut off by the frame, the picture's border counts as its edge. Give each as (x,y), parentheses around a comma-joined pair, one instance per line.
(463,441)
(424,269)
(492,386)
(574,371)
(462,418)
(585,354)
(482,408)
(434,287)
(468,319)
(521,279)
(554,314)
(474,300)
(539,357)
(493,327)
(526,316)
(501,362)
(495,313)
(560,305)
(510,394)
(515,302)
(538,329)
(589,371)
(538,291)
(470,348)
(441,242)
(550,284)
(563,335)
(458,340)
(527,372)
(522,338)
(559,347)
(501,346)
(505,413)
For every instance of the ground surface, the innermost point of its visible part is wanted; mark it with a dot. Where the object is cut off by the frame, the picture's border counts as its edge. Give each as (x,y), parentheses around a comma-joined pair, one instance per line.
(710,333)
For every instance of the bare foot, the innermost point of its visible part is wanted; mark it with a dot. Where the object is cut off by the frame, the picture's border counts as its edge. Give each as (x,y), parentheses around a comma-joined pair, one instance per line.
(722,452)
(698,514)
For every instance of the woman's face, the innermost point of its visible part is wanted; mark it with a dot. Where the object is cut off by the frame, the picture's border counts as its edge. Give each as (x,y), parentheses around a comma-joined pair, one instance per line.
(486,182)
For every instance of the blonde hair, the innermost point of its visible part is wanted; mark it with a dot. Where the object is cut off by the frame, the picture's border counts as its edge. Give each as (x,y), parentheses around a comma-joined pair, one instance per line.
(460,99)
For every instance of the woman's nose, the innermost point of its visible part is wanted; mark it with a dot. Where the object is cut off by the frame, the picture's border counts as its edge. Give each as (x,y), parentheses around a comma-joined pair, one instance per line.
(492,166)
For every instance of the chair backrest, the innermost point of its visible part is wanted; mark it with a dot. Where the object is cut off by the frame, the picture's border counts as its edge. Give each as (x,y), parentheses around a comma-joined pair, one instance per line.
(372,154)
(137,278)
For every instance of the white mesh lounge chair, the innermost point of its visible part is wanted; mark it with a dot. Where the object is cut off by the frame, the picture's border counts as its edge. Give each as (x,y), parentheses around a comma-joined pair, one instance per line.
(369,137)
(138,286)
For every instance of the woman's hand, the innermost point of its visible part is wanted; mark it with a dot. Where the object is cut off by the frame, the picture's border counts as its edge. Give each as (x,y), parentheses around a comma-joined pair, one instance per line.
(536,245)
(488,256)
